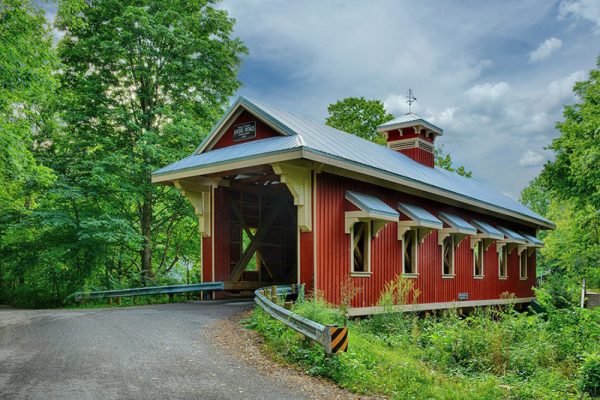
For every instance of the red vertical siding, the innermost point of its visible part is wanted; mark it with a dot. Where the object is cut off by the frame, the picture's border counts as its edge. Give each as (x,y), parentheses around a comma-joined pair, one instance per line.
(221,232)
(262,131)
(333,262)
(207,260)
(307,246)
(307,259)
(419,155)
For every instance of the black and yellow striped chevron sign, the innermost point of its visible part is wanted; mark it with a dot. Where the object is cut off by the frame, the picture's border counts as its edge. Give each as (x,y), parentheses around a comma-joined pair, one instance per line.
(339,339)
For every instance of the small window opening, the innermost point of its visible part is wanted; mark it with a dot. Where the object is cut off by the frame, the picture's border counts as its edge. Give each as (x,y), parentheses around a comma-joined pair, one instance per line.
(478,259)
(502,262)
(448,255)
(360,247)
(409,243)
(523,265)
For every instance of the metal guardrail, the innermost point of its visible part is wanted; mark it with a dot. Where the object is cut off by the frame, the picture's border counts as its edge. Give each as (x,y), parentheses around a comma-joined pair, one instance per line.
(333,338)
(149,290)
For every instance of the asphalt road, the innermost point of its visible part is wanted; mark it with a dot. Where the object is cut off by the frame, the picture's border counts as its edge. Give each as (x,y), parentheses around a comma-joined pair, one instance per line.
(149,352)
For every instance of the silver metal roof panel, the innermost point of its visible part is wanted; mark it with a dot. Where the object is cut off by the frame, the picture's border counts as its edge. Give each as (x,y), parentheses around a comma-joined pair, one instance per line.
(487,229)
(532,240)
(407,120)
(419,214)
(370,204)
(457,223)
(235,152)
(512,235)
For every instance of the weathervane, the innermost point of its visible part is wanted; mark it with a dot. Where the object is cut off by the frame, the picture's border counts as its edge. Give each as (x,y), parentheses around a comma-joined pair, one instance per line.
(411,99)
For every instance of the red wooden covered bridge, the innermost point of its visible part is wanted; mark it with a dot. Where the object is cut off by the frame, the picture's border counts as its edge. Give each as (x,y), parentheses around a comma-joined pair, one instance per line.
(282,199)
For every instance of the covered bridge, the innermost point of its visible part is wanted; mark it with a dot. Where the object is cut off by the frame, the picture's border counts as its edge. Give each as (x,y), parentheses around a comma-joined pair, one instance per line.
(282,199)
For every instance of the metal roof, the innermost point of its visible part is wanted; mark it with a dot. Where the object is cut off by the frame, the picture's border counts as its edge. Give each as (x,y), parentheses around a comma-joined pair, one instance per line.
(419,214)
(533,240)
(407,120)
(321,140)
(370,204)
(457,223)
(511,235)
(487,229)
(273,145)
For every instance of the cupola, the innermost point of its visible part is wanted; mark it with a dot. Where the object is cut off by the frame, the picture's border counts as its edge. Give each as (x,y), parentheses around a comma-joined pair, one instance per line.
(412,136)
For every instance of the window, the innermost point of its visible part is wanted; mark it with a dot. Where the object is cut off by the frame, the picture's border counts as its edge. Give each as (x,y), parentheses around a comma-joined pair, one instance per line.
(523,265)
(361,242)
(478,259)
(502,262)
(409,255)
(448,256)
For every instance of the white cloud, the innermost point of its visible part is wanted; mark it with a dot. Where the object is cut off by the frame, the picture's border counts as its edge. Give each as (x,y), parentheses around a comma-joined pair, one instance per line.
(545,49)
(584,9)
(560,91)
(531,159)
(471,79)
(489,92)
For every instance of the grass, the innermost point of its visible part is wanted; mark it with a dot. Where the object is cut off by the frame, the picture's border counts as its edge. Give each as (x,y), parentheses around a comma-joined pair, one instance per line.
(493,354)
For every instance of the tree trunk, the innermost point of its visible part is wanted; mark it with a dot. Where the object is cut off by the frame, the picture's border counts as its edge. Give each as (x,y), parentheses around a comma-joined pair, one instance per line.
(146,224)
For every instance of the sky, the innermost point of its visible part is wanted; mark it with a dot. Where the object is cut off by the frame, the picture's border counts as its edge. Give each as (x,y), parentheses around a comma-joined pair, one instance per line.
(493,75)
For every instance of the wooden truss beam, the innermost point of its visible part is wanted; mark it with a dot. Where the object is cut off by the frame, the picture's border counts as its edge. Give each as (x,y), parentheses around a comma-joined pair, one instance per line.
(261,232)
(242,221)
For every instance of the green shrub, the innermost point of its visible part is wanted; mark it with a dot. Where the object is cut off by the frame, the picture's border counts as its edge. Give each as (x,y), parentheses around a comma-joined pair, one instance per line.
(491,354)
(590,375)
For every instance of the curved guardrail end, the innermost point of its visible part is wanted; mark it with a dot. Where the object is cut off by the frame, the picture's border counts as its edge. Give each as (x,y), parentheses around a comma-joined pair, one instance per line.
(334,339)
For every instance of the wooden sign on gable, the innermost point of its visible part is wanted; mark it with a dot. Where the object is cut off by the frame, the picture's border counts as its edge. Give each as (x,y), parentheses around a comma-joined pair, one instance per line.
(244,131)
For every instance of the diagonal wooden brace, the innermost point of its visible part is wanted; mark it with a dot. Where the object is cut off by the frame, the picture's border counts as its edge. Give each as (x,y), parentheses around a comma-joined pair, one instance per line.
(261,232)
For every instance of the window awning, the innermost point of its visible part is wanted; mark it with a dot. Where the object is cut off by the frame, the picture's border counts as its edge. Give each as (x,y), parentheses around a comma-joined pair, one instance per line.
(511,239)
(511,236)
(370,209)
(416,218)
(532,241)
(457,227)
(531,244)
(457,224)
(487,231)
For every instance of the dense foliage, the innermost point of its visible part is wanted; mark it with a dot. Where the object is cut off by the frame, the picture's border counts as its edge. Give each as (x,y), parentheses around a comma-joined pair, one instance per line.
(130,87)
(492,354)
(361,117)
(568,189)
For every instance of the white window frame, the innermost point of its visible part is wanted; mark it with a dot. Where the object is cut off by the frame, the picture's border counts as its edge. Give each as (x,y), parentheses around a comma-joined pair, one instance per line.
(367,257)
(415,253)
(452,265)
(480,247)
(523,260)
(503,254)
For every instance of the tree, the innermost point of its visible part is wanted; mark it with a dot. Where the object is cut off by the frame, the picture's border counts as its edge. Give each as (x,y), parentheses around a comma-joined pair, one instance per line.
(26,93)
(444,160)
(361,117)
(575,172)
(567,191)
(141,81)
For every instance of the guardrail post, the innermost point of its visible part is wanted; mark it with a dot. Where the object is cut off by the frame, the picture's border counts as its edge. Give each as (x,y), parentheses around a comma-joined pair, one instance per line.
(274,294)
(170,297)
